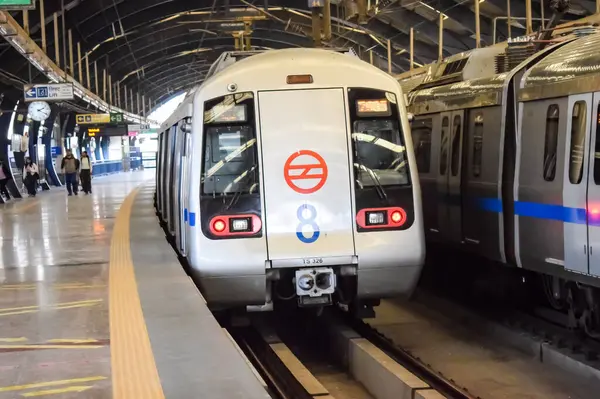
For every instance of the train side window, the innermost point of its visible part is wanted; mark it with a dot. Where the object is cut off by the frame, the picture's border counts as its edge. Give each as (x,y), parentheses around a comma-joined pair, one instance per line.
(597,150)
(578,131)
(444,146)
(421,132)
(551,142)
(477,145)
(456,125)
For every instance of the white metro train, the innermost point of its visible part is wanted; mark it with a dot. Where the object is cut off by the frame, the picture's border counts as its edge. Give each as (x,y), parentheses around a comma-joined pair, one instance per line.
(290,175)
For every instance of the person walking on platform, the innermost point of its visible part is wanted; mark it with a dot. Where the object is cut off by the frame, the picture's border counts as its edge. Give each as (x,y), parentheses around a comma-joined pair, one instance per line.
(4,175)
(70,166)
(31,176)
(86,173)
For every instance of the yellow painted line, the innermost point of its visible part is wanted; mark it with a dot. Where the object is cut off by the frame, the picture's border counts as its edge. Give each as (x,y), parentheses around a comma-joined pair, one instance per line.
(51,305)
(134,373)
(57,391)
(79,287)
(55,287)
(20,339)
(19,312)
(51,383)
(81,305)
(42,346)
(74,341)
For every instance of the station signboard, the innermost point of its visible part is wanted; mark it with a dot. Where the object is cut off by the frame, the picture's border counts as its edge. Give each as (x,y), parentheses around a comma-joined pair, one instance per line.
(17,4)
(92,119)
(48,92)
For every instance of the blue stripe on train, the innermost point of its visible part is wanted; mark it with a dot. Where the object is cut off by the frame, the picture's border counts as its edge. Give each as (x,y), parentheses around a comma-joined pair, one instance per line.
(541,211)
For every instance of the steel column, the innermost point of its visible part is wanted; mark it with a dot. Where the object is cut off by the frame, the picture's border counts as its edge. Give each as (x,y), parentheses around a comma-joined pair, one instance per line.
(56,42)
(43,26)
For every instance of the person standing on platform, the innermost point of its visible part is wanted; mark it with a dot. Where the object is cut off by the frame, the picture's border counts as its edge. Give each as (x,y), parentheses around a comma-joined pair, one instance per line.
(4,175)
(31,176)
(70,166)
(86,173)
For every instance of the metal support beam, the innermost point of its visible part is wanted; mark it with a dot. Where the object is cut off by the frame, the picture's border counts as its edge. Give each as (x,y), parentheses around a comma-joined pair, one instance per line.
(71,69)
(26,21)
(441,38)
(125,91)
(131,100)
(389,55)
(87,71)
(43,26)
(110,91)
(139,108)
(79,66)
(371,57)
(248,46)
(327,20)
(64,35)
(316,26)
(56,42)
(144,105)
(412,48)
(508,21)
(477,25)
(528,25)
(97,86)
(597,6)
(104,84)
(362,11)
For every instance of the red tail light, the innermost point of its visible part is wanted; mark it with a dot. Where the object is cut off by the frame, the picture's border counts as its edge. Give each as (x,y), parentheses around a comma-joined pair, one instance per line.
(377,218)
(235,225)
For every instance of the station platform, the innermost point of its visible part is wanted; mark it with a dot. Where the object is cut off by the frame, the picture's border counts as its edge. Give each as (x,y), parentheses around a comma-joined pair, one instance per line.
(95,304)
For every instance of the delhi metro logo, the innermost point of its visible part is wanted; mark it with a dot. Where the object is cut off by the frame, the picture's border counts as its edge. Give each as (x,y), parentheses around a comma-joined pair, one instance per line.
(305,172)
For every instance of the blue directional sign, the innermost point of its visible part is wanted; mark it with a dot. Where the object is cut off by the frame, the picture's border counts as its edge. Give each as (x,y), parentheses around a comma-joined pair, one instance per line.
(31,93)
(48,92)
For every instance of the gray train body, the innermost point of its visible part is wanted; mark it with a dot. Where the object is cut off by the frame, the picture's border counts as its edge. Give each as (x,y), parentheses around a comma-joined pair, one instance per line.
(509,162)
(289,175)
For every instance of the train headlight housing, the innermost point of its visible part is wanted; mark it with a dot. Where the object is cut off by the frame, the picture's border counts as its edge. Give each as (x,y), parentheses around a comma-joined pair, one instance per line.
(226,226)
(381,218)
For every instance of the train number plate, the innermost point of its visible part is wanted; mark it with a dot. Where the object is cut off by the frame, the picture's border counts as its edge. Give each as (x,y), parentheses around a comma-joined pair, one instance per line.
(312,261)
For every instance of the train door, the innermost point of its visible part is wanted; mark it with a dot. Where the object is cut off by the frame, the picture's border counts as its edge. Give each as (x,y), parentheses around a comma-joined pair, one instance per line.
(593,188)
(184,190)
(177,181)
(448,183)
(575,182)
(308,200)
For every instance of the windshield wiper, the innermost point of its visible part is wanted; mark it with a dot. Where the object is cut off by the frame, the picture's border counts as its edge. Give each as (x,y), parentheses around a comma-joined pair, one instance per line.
(238,192)
(378,186)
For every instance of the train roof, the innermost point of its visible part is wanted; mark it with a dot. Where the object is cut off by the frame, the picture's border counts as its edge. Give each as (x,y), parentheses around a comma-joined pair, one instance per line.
(571,69)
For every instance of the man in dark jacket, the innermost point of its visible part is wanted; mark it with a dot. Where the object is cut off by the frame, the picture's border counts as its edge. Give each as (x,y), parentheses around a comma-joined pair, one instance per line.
(70,166)
(4,176)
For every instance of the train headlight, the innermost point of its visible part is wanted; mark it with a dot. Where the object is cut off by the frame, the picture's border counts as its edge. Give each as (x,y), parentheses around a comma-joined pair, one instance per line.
(239,224)
(219,225)
(375,218)
(396,217)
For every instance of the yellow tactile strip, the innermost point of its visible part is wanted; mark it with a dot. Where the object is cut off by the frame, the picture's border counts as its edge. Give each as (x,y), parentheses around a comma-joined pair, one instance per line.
(134,373)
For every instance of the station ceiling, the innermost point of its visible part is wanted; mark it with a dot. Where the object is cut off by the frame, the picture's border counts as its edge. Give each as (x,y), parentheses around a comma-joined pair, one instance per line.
(161,47)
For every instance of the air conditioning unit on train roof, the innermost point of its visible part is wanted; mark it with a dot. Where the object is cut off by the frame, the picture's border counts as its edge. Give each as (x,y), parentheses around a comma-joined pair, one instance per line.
(473,64)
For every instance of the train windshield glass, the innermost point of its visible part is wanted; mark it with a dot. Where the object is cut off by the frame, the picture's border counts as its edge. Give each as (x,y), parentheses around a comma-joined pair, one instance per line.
(230,155)
(378,146)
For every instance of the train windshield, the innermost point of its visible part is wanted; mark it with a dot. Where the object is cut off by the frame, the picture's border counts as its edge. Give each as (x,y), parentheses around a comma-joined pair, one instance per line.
(230,157)
(379,153)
